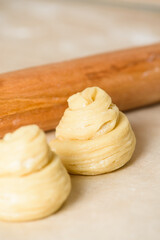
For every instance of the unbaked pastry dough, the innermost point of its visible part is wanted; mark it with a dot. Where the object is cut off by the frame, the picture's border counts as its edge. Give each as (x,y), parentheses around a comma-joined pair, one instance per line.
(33,181)
(93,136)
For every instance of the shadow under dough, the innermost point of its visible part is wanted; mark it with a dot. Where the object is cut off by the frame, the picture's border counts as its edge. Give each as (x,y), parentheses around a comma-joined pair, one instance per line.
(77,190)
(142,141)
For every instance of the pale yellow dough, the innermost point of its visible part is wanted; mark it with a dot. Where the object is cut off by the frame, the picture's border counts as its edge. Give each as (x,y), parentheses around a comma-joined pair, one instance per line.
(33,181)
(93,136)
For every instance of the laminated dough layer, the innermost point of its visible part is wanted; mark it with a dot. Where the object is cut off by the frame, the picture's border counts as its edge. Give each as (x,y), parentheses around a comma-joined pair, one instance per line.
(93,136)
(33,181)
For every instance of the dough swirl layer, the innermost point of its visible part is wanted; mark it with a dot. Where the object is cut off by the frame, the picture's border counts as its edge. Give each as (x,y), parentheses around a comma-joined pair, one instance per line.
(93,136)
(33,181)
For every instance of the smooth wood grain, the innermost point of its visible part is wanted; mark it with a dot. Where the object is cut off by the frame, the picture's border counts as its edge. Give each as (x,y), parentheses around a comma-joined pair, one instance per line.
(39,95)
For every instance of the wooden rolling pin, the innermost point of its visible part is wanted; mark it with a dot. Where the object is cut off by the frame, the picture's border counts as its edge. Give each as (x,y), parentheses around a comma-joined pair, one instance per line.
(38,95)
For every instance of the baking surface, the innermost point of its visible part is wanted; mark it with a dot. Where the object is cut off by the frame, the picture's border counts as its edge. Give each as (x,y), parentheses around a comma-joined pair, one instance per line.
(120,205)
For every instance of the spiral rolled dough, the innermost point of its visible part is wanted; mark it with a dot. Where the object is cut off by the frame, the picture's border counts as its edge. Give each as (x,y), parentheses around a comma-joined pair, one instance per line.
(33,181)
(93,136)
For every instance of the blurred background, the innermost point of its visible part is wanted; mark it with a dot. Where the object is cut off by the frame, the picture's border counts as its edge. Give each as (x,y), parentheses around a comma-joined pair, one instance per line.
(35,32)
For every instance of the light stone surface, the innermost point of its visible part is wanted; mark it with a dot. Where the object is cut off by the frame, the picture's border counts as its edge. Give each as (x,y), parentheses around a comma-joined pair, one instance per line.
(124,204)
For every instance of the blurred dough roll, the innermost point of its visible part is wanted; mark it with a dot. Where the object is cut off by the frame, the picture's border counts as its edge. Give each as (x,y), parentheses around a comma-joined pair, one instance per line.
(33,181)
(93,136)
